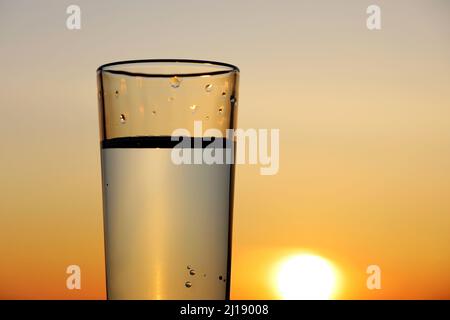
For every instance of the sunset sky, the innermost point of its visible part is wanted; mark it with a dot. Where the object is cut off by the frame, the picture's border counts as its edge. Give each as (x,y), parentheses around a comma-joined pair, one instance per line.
(364,119)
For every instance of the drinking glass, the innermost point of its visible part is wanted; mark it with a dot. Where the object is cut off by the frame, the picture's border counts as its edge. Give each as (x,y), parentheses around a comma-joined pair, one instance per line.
(167,222)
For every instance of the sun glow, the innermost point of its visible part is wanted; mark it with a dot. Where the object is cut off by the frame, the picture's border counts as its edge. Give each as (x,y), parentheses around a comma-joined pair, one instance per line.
(306,277)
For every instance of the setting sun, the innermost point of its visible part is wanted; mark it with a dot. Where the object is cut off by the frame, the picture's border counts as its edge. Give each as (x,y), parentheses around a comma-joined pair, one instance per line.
(306,277)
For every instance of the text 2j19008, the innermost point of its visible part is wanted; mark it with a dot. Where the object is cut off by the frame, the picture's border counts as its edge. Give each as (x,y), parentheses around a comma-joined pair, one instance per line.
(234,310)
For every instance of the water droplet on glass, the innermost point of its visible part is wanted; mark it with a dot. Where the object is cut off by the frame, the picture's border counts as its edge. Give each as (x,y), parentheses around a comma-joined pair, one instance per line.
(123,119)
(188,284)
(192,272)
(221,109)
(208,87)
(193,108)
(175,82)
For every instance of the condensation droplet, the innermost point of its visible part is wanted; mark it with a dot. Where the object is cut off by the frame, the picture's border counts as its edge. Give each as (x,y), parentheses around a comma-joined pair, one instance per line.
(193,108)
(188,284)
(192,272)
(175,82)
(123,119)
(208,87)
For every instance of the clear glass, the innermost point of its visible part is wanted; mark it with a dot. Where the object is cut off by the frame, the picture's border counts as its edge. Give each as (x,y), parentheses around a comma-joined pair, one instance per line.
(167,225)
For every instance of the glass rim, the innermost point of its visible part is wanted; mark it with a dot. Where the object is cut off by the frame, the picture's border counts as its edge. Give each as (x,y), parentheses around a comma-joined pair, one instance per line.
(229,68)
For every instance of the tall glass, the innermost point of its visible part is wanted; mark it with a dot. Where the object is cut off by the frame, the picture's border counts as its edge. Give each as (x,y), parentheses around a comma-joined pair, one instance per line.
(167,221)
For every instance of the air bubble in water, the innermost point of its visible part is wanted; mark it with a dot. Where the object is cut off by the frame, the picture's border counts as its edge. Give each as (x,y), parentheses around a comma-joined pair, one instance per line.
(170,99)
(192,272)
(193,108)
(224,93)
(154,112)
(207,117)
(220,277)
(208,87)
(189,267)
(188,284)
(123,119)
(116,93)
(175,82)
(221,109)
